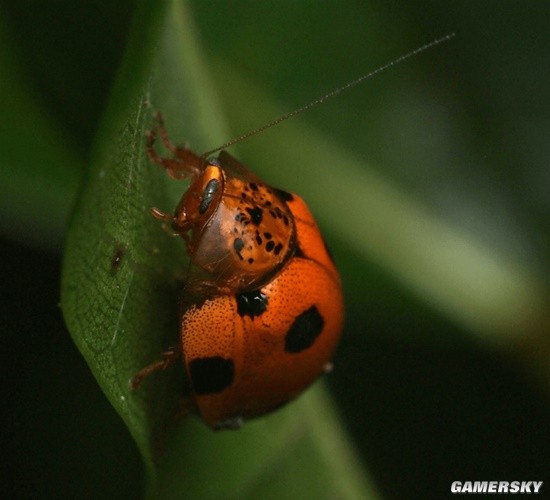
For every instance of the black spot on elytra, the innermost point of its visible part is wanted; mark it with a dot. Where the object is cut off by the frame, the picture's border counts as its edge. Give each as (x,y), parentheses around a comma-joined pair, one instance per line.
(253,186)
(304,330)
(251,303)
(268,236)
(211,375)
(208,195)
(278,249)
(240,217)
(258,238)
(256,215)
(284,195)
(238,245)
(269,246)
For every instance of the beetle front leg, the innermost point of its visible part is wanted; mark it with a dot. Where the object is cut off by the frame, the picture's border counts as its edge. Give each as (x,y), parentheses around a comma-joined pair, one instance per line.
(184,162)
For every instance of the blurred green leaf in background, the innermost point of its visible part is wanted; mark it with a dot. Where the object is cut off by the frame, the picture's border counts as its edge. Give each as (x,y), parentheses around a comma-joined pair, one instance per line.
(430,182)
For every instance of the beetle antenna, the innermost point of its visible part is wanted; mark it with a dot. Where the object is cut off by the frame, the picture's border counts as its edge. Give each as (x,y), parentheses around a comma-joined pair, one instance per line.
(332,93)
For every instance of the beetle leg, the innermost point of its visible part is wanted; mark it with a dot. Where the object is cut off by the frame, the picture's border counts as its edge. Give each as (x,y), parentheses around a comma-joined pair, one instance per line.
(184,162)
(169,357)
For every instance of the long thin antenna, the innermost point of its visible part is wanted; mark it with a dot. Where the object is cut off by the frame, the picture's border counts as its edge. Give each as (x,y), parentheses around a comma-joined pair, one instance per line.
(331,94)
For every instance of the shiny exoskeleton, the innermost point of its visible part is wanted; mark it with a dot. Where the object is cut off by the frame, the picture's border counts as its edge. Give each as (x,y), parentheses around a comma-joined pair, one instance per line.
(262,309)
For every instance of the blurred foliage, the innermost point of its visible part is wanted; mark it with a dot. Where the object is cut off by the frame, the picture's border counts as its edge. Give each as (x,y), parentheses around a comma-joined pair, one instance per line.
(430,182)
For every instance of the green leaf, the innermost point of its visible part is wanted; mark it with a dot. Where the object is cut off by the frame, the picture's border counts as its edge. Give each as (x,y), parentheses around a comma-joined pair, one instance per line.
(298,452)
(119,294)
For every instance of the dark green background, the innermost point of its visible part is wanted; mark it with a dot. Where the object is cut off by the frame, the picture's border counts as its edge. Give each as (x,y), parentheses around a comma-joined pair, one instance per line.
(426,401)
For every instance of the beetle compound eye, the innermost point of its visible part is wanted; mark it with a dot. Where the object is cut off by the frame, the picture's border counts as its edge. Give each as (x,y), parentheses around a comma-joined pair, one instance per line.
(208,194)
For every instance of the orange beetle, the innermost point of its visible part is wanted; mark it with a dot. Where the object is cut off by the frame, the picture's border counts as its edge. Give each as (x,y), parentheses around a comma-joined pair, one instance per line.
(262,307)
